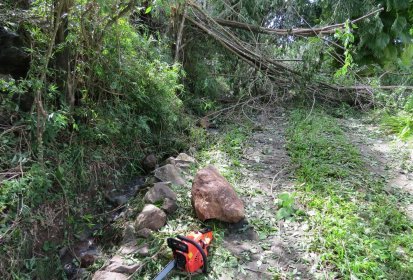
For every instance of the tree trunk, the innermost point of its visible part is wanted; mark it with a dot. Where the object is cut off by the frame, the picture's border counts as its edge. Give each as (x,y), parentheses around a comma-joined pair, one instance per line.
(62,60)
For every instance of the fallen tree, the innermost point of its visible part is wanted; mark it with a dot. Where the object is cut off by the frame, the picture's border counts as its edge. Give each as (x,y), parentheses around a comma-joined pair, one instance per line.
(316,31)
(283,76)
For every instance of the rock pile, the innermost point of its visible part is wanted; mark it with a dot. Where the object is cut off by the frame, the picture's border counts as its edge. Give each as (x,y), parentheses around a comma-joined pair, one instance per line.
(212,198)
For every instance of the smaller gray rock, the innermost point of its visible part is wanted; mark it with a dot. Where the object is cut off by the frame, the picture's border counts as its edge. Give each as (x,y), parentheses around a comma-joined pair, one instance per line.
(159,192)
(117,199)
(119,267)
(143,251)
(127,249)
(184,158)
(129,234)
(170,160)
(183,161)
(149,162)
(169,206)
(151,217)
(116,259)
(145,233)
(87,260)
(169,173)
(107,275)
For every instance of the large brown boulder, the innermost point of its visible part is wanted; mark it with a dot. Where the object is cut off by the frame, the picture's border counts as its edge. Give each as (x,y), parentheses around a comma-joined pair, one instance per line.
(214,198)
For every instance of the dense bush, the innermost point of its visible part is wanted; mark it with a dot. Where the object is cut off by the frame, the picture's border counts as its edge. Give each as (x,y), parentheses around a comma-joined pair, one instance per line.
(126,105)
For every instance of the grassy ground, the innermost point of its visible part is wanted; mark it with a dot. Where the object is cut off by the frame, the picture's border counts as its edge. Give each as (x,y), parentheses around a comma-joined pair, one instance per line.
(359,231)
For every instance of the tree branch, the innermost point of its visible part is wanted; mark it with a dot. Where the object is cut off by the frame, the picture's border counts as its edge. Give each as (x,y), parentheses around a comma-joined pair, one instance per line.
(326,30)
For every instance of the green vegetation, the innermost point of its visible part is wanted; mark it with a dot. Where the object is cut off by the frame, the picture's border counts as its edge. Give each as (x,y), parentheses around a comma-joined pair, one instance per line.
(59,165)
(357,226)
(89,88)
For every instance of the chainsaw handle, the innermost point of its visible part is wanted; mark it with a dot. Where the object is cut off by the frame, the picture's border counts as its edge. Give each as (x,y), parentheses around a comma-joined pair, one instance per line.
(204,257)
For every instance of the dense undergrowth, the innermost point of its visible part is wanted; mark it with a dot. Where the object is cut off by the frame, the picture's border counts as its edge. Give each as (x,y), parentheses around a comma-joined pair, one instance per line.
(53,184)
(358,229)
(395,112)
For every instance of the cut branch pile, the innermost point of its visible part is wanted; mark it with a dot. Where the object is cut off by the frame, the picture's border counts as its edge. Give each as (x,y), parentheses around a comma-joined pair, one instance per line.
(248,53)
(283,76)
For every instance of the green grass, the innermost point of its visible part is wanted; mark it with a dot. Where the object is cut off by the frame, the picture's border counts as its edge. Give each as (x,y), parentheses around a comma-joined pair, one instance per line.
(400,124)
(358,228)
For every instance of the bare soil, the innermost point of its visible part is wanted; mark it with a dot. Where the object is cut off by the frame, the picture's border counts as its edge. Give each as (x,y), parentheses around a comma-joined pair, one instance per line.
(267,171)
(385,156)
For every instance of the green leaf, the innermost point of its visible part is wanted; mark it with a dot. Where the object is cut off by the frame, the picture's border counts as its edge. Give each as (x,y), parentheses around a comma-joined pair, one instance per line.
(399,25)
(382,40)
(284,213)
(407,56)
(148,10)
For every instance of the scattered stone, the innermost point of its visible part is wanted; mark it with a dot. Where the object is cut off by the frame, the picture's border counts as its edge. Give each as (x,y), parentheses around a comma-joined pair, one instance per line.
(204,122)
(159,192)
(151,217)
(129,234)
(116,259)
(143,251)
(181,161)
(127,249)
(136,183)
(87,260)
(184,161)
(107,275)
(182,157)
(214,198)
(120,195)
(145,233)
(169,206)
(149,163)
(119,200)
(169,173)
(70,269)
(119,267)
(86,251)
(170,160)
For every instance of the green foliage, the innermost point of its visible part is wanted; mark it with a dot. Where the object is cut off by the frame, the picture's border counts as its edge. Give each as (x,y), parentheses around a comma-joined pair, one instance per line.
(286,206)
(204,83)
(400,124)
(126,105)
(360,230)
(347,38)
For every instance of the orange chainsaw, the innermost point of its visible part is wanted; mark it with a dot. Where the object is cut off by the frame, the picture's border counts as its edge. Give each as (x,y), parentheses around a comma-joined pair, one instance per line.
(190,252)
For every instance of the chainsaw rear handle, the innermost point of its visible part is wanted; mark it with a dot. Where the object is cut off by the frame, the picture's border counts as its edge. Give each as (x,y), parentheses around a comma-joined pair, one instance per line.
(204,257)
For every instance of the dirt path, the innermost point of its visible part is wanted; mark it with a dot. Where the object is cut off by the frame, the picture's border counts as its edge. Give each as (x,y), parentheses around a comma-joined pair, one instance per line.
(264,247)
(267,249)
(386,156)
